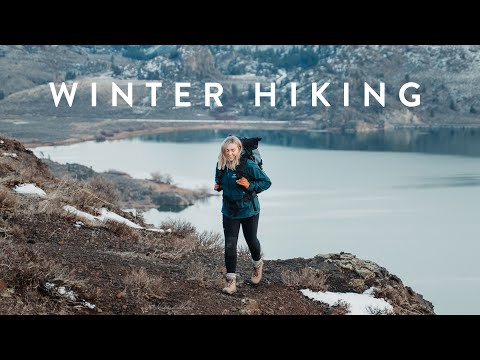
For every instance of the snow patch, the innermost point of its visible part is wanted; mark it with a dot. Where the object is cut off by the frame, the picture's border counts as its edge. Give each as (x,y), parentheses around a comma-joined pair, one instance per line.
(106,215)
(29,189)
(69,295)
(13,155)
(80,213)
(359,303)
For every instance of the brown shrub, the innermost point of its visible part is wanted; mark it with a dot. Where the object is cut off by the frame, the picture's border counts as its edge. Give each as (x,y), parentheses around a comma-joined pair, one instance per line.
(373,310)
(159,178)
(93,293)
(340,307)
(7,199)
(306,277)
(180,228)
(140,283)
(28,170)
(198,271)
(183,246)
(52,206)
(210,240)
(66,192)
(182,308)
(17,232)
(69,192)
(5,169)
(104,189)
(243,253)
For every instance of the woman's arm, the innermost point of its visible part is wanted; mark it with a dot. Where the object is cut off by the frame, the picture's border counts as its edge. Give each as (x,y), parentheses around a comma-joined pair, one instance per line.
(259,180)
(217,186)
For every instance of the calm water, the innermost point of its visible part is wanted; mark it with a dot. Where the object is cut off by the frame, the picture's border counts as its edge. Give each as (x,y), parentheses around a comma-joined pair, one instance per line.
(406,200)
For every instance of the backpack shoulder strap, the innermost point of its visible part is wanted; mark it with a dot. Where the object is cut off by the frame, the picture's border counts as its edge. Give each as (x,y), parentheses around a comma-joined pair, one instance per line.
(219,177)
(240,169)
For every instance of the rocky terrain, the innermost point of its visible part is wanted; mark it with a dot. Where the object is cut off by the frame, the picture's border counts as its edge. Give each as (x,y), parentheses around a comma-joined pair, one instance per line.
(57,261)
(447,75)
(140,194)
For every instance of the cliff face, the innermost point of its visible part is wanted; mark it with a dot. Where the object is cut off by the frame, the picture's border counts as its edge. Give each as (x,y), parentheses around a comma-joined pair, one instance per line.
(198,62)
(59,261)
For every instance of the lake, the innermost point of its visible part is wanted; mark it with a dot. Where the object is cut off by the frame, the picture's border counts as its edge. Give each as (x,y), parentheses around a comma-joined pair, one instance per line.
(406,199)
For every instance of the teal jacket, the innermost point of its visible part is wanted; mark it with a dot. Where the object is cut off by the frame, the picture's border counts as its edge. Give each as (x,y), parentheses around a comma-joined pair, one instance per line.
(258,180)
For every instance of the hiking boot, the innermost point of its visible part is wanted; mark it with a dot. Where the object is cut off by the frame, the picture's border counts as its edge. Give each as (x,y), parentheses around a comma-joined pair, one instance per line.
(231,286)
(257,273)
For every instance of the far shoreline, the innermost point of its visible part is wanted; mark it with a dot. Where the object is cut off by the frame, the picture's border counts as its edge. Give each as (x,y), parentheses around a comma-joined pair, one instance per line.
(211,124)
(203,125)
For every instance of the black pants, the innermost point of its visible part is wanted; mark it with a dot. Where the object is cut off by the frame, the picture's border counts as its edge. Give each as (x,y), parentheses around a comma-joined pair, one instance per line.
(231,228)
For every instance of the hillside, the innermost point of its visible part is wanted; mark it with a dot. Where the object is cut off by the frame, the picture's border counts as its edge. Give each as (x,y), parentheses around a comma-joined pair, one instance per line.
(68,248)
(447,75)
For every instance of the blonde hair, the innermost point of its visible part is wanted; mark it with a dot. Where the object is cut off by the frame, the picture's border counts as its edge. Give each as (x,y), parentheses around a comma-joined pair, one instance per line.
(222,160)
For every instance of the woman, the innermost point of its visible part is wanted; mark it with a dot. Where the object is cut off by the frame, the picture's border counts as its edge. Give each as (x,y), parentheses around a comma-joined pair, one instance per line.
(240,206)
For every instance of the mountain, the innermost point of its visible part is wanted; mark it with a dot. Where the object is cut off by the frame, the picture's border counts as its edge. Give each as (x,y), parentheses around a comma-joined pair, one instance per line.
(447,76)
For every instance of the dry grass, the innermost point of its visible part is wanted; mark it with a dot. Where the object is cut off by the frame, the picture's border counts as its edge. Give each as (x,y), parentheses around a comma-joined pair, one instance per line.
(17,232)
(198,271)
(25,267)
(5,169)
(25,270)
(172,310)
(9,231)
(52,206)
(28,173)
(31,303)
(8,200)
(182,241)
(160,178)
(379,311)
(25,168)
(340,307)
(243,253)
(123,231)
(81,195)
(180,228)
(168,246)
(93,293)
(140,283)
(104,189)
(305,278)
(182,246)
(65,192)
(210,240)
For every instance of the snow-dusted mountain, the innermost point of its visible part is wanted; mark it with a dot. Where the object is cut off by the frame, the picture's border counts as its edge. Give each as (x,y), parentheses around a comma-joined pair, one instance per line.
(447,76)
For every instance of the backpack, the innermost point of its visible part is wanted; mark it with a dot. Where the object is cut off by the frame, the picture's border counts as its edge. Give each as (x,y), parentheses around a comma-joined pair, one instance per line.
(250,145)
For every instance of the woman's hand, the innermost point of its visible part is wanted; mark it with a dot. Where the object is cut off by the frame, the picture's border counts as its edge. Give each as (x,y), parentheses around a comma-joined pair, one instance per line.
(243,182)
(217,187)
